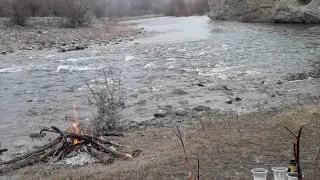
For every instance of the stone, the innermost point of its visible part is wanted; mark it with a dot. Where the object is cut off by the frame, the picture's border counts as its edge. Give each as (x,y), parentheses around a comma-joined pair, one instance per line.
(225,87)
(141,102)
(180,112)
(63,44)
(279,82)
(19,143)
(80,47)
(71,48)
(292,11)
(3,53)
(39,32)
(160,114)
(131,38)
(179,92)
(135,95)
(229,101)
(183,102)
(238,99)
(202,108)
(37,135)
(10,51)
(62,50)
(297,76)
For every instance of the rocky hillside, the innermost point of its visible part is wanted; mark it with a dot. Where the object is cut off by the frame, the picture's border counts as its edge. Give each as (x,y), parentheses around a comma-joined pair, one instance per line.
(291,11)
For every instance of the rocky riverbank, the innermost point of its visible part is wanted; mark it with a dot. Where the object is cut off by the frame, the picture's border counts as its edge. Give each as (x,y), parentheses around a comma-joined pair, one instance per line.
(47,33)
(286,11)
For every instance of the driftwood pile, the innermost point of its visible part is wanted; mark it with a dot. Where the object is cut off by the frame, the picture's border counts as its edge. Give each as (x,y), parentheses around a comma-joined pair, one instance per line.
(64,145)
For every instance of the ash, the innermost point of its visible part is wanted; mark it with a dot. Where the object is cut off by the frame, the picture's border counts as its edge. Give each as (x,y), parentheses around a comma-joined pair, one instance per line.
(79,158)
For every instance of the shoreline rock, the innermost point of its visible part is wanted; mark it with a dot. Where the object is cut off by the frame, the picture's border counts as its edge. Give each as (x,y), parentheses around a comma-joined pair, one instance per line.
(278,11)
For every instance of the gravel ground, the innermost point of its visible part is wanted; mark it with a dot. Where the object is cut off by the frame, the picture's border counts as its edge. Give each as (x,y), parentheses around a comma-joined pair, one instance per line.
(47,33)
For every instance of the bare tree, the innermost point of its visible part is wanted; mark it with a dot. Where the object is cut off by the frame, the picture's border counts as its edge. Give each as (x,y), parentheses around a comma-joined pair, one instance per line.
(99,8)
(5,8)
(76,12)
(20,12)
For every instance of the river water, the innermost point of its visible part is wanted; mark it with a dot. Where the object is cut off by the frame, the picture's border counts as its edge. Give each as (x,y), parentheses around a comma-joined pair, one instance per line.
(176,53)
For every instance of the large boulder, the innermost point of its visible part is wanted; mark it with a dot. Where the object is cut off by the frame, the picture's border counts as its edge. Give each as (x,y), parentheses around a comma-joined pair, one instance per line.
(298,11)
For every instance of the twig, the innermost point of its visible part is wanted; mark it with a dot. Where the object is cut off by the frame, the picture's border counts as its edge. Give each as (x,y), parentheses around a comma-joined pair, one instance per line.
(92,92)
(296,150)
(198,167)
(316,165)
(179,135)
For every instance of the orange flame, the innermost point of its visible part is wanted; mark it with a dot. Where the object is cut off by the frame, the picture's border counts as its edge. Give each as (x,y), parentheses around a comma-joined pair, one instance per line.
(75,129)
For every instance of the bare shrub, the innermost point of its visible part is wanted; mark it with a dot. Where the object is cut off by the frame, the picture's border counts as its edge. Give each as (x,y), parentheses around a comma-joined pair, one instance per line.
(5,8)
(99,8)
(76,13)
(20,12)
(176,8)
(200,7)
(107,99)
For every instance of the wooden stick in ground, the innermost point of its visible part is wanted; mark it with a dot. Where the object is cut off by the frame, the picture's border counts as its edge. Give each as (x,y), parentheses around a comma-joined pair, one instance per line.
(198,160)
(296,149)
(316,165)
(179,135)
(102,157)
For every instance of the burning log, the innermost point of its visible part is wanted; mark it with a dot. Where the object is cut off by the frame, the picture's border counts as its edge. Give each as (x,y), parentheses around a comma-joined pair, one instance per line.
(64,145)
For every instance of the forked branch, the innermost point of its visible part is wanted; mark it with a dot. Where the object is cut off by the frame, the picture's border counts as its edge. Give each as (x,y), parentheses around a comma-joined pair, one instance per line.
(296,150)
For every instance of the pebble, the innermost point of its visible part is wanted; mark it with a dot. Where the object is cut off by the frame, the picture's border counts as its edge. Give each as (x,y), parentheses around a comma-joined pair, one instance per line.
(279,82)
(202,108)
(141,102)
(180,112)
(183,102)
(160,114)
(179,92)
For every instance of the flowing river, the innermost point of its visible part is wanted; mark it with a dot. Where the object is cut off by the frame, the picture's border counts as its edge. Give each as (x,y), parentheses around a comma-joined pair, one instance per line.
(267,66)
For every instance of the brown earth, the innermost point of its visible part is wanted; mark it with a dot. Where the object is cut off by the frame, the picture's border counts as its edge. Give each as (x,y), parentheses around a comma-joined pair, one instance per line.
(227,145)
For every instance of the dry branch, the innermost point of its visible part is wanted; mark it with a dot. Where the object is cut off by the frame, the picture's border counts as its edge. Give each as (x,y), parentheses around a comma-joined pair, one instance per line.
(102,157)
(63,145)
(316,165)
(179,135)
(296,150)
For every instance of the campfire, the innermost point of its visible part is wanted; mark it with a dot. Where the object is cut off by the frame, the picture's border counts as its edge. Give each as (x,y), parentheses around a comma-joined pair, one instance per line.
(67,144)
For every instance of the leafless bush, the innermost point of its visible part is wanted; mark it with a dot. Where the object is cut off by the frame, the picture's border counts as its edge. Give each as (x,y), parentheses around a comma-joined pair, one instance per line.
(200,7)
(76,13)
(107,99)
(100,8)
(5,8)
(20,12)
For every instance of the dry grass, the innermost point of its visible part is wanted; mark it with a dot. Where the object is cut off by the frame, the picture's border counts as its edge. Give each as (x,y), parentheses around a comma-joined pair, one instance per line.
(227,146)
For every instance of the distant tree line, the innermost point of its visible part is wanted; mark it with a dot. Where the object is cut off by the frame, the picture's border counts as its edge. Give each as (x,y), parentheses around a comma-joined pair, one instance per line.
(77,12)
